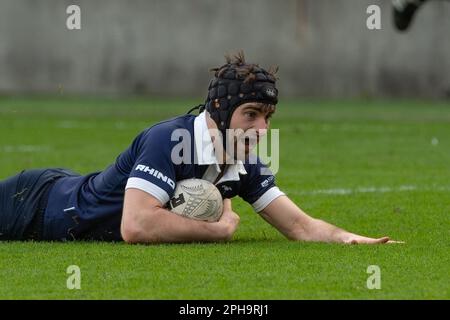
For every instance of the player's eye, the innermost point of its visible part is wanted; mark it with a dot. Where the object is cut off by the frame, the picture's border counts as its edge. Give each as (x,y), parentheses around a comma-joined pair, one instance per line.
(250,115)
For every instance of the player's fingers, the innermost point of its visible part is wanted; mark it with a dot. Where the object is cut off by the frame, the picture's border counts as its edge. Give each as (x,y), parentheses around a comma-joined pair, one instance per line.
(394,241)
(383,240)
(365,240)
(227,204)
(374,241)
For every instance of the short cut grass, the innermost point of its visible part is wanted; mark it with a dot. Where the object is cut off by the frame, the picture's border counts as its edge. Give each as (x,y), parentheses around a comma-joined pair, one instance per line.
(375,168)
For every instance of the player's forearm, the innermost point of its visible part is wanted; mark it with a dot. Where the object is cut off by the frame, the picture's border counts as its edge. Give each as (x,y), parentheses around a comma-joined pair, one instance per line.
(319,231)
(162,226)
(295,224)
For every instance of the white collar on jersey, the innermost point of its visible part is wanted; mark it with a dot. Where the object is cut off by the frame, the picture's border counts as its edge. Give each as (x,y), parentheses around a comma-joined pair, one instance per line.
(204,150)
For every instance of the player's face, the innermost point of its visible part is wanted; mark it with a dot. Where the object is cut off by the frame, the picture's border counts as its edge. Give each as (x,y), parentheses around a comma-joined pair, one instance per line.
(250,121)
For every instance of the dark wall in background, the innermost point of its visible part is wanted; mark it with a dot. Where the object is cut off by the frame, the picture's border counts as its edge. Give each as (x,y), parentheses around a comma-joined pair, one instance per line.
(322,47)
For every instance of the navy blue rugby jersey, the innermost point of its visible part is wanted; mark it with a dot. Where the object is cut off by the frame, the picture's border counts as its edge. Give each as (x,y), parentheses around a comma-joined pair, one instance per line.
(90,206)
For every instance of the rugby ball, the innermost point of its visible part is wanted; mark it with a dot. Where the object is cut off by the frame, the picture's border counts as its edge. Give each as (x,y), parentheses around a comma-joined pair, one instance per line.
(197,199)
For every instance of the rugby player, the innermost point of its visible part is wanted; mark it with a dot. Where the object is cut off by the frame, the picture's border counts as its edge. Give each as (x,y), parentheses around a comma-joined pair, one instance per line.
(127,201)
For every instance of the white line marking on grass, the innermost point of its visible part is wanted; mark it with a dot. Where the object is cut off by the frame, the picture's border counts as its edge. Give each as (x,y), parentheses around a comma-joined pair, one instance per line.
(68,124)
(344,191)
(120,125)
(24,149)
(347,127)
(74,125)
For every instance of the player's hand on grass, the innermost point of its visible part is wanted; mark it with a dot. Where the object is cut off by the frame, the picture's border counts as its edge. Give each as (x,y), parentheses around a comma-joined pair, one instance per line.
(356,239)
(229,219)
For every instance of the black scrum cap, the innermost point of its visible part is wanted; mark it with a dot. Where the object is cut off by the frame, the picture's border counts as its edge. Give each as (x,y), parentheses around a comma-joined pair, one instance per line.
(235,83)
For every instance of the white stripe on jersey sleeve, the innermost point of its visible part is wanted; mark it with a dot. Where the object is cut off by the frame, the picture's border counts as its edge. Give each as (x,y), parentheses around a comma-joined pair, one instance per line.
(150,188)
(267,198)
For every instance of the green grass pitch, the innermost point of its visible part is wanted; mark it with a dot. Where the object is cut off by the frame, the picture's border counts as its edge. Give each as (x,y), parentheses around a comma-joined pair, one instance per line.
(372,167)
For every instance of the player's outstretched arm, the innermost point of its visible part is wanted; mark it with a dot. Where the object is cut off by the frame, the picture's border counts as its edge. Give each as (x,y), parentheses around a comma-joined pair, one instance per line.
(144,220)
(291,221)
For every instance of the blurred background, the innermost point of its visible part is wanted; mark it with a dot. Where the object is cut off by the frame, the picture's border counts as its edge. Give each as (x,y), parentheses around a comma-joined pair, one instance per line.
(166,47)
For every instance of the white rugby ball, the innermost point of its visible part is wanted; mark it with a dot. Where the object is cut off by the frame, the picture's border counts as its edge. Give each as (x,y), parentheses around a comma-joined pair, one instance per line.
(197,199)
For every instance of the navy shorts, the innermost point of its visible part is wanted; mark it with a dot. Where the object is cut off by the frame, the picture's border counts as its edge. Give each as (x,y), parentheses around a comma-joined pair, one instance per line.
(23,199)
